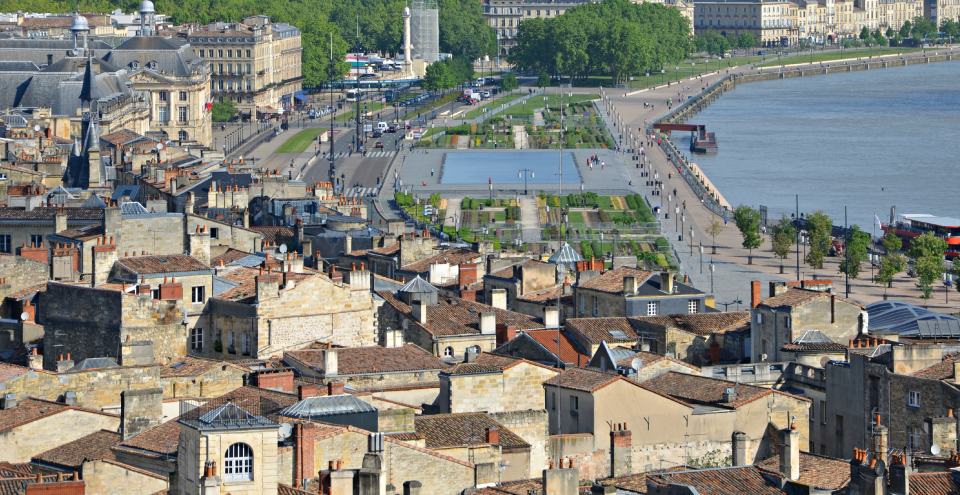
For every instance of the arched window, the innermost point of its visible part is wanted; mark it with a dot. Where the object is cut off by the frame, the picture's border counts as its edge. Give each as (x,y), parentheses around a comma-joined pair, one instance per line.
(238,463)
(476,349)
(448,352)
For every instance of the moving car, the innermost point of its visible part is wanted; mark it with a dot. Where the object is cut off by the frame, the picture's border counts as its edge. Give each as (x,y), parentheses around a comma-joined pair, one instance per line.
(392,128)
(379,144)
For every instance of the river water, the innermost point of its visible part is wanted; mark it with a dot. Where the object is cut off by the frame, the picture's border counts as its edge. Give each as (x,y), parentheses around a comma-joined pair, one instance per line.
(867,140)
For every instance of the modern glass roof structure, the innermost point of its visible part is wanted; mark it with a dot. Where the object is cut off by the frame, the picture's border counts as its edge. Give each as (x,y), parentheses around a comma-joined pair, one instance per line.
(912,321)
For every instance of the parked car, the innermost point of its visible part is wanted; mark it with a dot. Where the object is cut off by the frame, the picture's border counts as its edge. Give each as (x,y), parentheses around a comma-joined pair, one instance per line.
(761,53)
(485,94)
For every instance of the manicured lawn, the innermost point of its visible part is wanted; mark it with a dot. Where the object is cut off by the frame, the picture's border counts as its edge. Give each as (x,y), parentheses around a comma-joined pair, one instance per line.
(575,217)
(537,102)
(605,202)
(492,104)
(829,56)
(300,141)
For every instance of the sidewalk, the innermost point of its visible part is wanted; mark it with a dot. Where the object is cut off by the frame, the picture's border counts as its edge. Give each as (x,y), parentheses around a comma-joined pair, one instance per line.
(530,219)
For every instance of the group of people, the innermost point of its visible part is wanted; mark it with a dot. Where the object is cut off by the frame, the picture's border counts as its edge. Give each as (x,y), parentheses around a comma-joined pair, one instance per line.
(594,160)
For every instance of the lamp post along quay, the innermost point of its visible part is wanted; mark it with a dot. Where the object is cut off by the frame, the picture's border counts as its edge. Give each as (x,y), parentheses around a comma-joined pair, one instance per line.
(522,173)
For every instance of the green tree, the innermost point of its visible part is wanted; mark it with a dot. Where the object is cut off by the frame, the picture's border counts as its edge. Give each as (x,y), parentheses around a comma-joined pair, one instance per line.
(438,77)
(509,82)
(223,111)
(890,33)
(783,236)
(905,29)
(922,28)
(855,251)
(700,43)
(879,39)
(927,254)
(543,80)
(893,261)
(713,230)
(951,28)
(463,30)
(746,40)
(747,220)
(864,34)
(819,227)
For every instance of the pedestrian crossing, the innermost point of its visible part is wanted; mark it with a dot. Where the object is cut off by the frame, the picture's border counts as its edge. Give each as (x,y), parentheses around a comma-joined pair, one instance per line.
(372,154)
(360,192)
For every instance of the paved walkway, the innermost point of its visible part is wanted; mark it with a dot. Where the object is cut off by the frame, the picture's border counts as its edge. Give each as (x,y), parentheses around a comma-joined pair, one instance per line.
(732,274)
(520,137)
(538,117)
(463,142)
(530,219)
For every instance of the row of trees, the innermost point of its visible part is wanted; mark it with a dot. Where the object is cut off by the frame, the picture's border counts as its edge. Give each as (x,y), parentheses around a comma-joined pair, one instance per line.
(715,44)
(926,251)
(614,37)
(463,30)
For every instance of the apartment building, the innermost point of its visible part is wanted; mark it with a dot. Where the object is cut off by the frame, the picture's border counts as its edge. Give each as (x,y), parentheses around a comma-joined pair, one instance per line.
(255,63)
(768,22)
(893,13)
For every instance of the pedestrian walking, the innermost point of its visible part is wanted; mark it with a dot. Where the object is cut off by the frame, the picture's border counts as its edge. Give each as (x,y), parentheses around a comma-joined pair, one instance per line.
(724,221)
(684,204)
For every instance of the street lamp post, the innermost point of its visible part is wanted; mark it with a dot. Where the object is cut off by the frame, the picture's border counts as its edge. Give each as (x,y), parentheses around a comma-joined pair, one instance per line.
(701,258)
(521,172)
(711,275)
(676,218)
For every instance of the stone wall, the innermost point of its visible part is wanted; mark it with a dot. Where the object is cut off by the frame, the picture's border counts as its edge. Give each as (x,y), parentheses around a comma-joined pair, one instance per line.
(661,367)
(531,426)
(23,442)
(95,389)
(191,453)
(88,323)
(19,272)
(110,478)
(157,233)
(396,420)
(518,388)
(838,320)
(438,474)
(593,463)
(213,383)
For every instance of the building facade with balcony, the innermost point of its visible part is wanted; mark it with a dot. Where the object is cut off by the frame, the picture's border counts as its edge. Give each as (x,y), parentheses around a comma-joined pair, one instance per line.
(255,63)
(769,22)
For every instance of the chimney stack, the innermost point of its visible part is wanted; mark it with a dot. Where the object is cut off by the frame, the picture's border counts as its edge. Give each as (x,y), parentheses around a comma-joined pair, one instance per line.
(488,323)
(329,362)
(666,282)
(741,449)
(621,443)
(420,312)
(498,298)
(140,410)
(493,436)
(754,293)
(790,453)
(630,285)
(335,388)
(551,317)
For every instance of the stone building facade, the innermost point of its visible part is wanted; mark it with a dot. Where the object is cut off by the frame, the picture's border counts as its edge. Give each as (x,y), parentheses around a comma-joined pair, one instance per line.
(41,425)
(493,383)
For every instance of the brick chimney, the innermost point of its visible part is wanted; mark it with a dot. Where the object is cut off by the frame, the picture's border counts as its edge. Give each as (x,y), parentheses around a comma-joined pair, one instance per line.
(621,443)
(754,293)
(172,290)
(36,253)
(104,255)
(468,295)
(493,436)
(304,435)
(468,274)
(335,388)
(305,391)
(281,381)
(30,310)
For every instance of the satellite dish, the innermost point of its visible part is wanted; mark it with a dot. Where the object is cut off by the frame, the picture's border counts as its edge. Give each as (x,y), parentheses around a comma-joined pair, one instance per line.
(935,449)
(24,316)
(285,431)
(636,364)
(159,146)
(823,361)
(36,127)
(283,248)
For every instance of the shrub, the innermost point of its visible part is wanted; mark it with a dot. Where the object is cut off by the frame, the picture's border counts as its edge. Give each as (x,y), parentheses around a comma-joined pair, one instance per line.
(586,250)
(631,203)
(662,243)
(424,143)
(466,204)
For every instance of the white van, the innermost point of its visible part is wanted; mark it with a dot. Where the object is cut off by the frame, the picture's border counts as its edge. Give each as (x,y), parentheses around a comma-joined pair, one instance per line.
(382,126)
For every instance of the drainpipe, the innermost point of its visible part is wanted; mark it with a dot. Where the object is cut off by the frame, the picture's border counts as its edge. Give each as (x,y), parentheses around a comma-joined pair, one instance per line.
(204,435)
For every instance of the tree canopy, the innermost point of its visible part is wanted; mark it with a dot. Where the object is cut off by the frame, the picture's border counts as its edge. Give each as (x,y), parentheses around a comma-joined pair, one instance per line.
(612,37)
(748,222)
(819,227)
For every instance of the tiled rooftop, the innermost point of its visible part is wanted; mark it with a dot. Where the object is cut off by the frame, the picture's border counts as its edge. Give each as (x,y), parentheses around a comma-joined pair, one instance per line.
(649,358)
(508,272)
(583,379)
(940,371)
(162,263)
(720,481)
(598,330)
(452,256)
(83,234)
(388,250)
(821,472)
(228,257)
(371,359)
(72,455)
(455,316)
(704,390)
(489,363)
(794,298)
(48,213)
(274,233)
(933,484)
(31,409)
(191,366)
(570,350)
(246,292)
(456,430)
(8,371)
(612,280)
(699,323)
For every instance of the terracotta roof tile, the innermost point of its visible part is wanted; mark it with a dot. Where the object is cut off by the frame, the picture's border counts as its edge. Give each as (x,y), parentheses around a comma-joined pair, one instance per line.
(570,350)
(832,346)
(228,257)
(940,371)
(612,280)
(82,234)
(289,490)
(246,292)
(8,371)
(583,379)
(409,436)
(508,272)
(452,256)
(371,359)
(455,316)
(490,363)
(13,470)
(933,484)
(72,455)
(48,213)
(638,482)
(720,481)
(598,330)
(271,233)
(28,292)
(649,358)
(705,390)
(699,323)
(191,366)
(31,410)
(821,472)
(162,263)
(456,430)
(388,250)
(542,296)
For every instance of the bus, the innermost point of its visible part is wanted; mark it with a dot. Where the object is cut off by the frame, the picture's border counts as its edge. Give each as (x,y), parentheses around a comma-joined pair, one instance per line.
(355,94)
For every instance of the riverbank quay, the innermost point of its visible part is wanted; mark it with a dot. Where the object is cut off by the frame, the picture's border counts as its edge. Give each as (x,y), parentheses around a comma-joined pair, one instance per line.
(731,258)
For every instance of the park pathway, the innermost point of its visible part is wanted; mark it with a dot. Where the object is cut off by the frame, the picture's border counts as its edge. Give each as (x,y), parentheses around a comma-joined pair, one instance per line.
(520,137)
(529,219)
